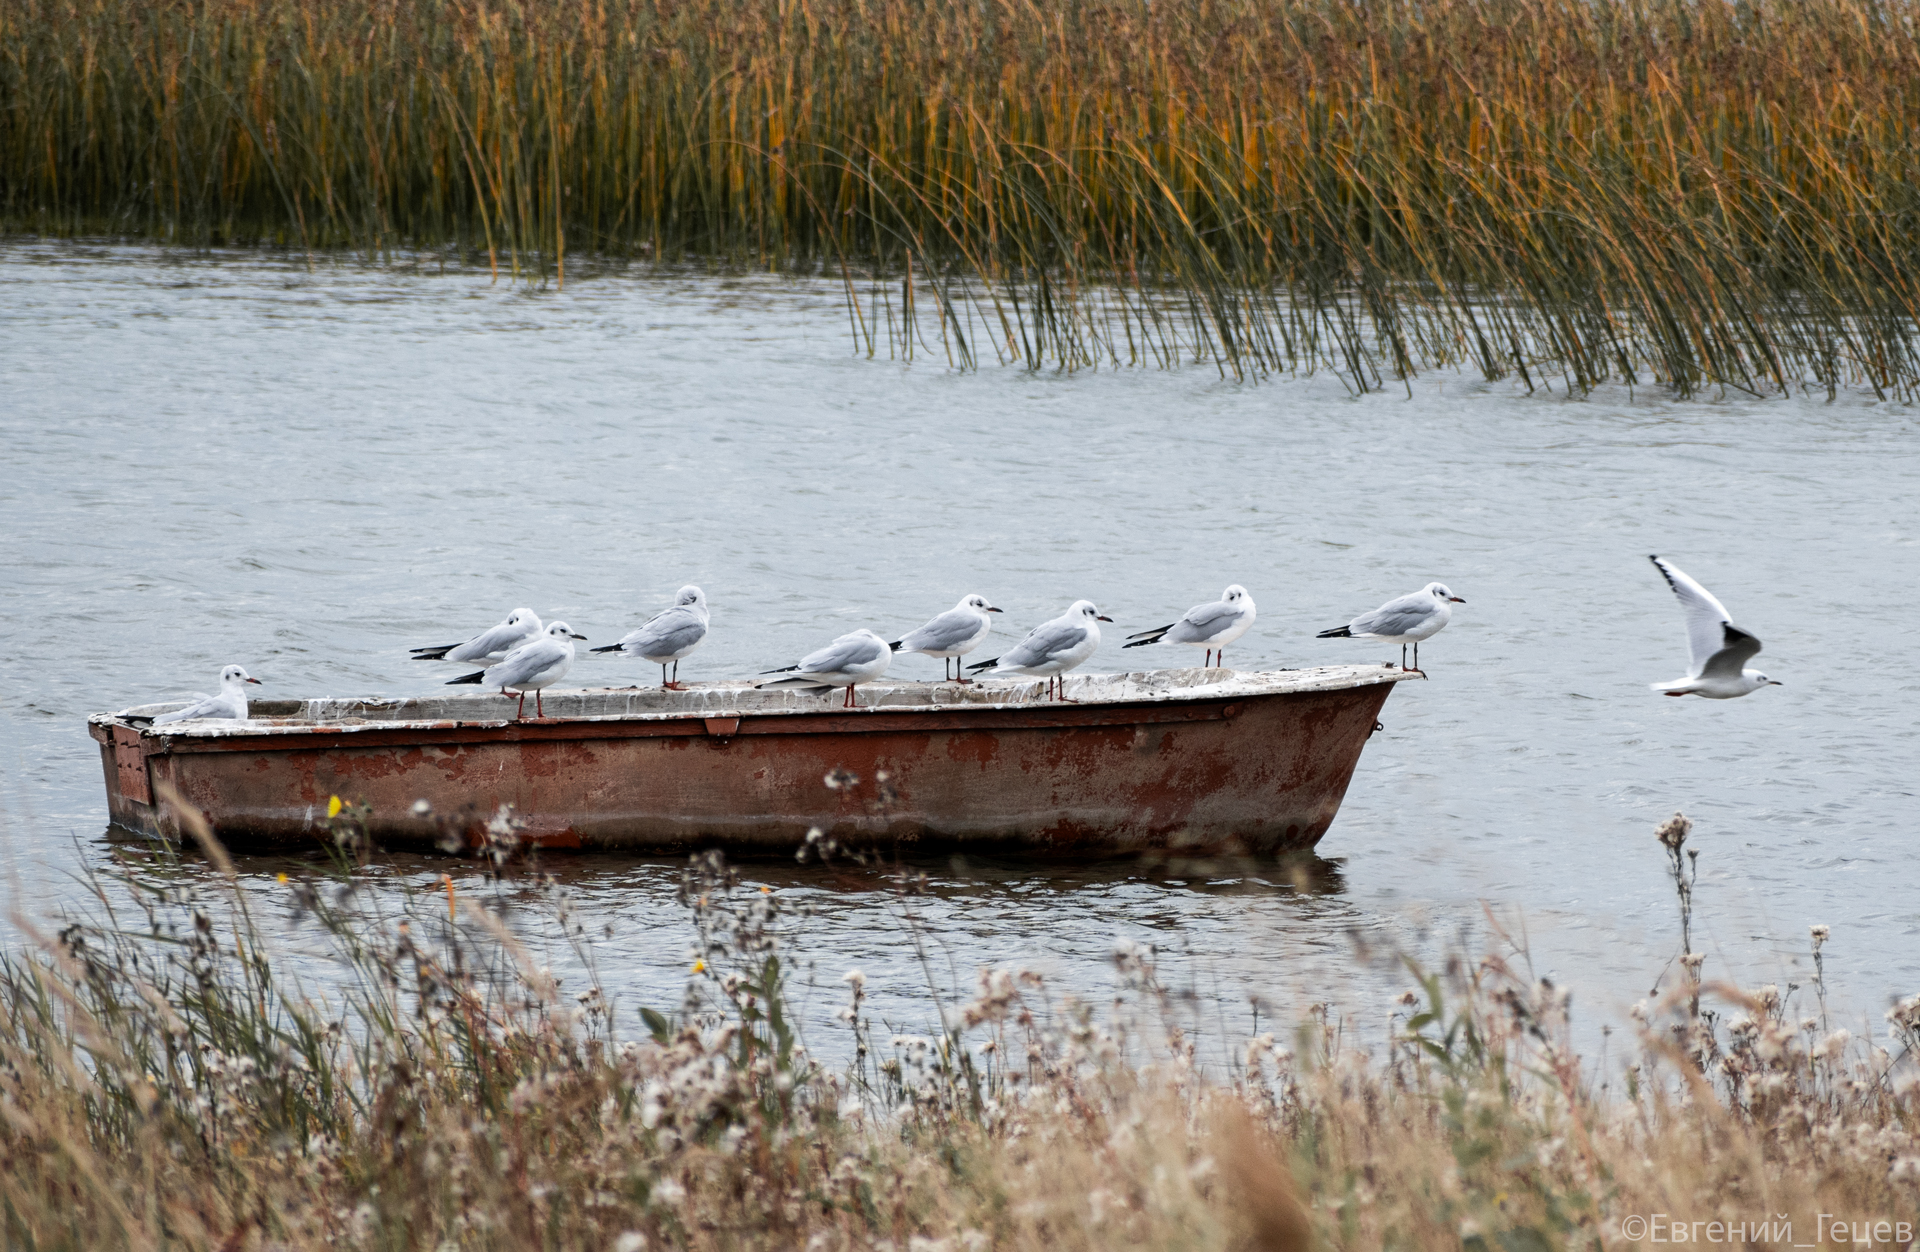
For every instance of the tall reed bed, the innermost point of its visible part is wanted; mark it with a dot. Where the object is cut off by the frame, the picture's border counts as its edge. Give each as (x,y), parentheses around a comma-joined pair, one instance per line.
(165,1083)
(1677,192)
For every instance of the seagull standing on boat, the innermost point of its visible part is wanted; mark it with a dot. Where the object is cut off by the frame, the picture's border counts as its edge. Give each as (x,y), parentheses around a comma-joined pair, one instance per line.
(852,659)
(489,645)
(951,635)
(231,703)
(1718,651)
(669,635)
(1406,620)
(1052,648)
(1211,626)
(533,666)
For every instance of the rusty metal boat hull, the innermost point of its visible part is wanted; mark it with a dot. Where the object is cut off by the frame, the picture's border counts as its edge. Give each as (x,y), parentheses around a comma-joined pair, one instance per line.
(1180,759)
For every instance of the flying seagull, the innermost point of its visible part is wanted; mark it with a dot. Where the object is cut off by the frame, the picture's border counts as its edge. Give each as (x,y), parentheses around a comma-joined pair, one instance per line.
(489,645)
(1052,648)
(533,666)
(1717,650)
(1406,620)
(669,634)
(852,659)
(1211,626)
(951,635)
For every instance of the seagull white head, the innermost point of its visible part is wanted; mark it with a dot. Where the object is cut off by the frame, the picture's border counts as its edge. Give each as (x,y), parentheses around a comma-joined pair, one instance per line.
(691,594)
(1234,594)
(979,604)
(1084,608)
(563,632)
(523,617)
(1439,592)
(233,676)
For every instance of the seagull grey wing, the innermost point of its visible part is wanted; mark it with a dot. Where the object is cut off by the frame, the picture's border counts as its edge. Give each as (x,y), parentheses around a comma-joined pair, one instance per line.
(1397,617)
(952,629)
(842,655)
(670,617)
(1705,616)
(181,715)
(794,684)
(204,706)
(1204,621)
(1738,647)
(524,662)
(1047,641)
(672,631)
(501,638)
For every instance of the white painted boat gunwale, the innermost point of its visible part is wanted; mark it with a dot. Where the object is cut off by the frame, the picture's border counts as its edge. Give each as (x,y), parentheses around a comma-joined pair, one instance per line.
(333,716)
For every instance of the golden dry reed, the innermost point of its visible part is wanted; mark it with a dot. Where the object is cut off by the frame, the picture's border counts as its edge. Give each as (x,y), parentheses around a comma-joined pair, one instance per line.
(1674,192)
(165,1083)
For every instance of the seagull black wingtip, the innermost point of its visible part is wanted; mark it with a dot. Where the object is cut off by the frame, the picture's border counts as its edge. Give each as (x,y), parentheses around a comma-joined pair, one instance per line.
(984,664)
(895,645)
(612,647)
(476,678)
(1149,636)
(1338,632)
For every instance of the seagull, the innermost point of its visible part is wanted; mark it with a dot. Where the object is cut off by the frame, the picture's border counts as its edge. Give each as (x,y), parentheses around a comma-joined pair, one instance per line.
(668,635)
(231,703)
(852,659)
(951,635)
(1211,626)
(489,645)
(1718,650)
(533,666)
(1052,648)
(1404,621)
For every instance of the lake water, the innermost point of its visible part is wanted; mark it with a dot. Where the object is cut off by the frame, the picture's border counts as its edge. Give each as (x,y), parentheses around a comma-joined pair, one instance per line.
(238,459)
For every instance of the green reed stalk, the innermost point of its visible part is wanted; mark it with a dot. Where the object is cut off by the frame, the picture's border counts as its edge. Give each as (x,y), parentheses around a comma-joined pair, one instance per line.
(1690,193)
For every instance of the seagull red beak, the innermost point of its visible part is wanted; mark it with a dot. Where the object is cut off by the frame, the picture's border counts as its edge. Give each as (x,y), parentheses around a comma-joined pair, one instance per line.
(991,609)
(1456,599)
(1103,617)
(254,681)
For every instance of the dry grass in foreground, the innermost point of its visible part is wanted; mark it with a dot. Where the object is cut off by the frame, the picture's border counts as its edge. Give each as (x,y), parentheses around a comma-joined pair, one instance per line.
(1684,192)
(162,1085)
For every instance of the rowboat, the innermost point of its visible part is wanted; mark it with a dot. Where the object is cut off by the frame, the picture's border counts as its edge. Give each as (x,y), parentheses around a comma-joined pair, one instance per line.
(1190,759)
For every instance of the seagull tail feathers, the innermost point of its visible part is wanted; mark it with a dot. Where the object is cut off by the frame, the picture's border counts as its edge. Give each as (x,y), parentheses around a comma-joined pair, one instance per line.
(476,678)
(1338,632)
(1146,637)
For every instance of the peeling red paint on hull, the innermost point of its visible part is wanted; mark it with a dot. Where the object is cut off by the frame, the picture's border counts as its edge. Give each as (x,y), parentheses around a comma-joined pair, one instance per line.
(1194,759)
